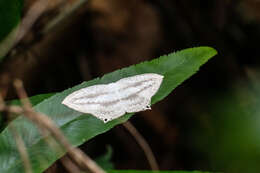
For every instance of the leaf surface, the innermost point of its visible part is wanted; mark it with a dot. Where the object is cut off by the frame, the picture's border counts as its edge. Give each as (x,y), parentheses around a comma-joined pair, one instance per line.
(79,127)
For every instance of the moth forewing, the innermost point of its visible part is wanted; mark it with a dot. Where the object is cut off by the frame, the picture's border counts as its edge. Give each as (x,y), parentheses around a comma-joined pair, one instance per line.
(110,101)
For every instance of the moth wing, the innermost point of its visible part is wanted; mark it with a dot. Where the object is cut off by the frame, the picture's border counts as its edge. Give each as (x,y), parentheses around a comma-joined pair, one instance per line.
(79,100)
(136,103)
(110,101)
(145,84)
(98,100)
(108,115)
(140,78)
(85,93)
(151,89)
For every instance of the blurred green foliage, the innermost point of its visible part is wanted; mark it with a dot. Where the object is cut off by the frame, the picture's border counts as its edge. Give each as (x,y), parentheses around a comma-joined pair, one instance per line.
(10,14)
(231,136)
(105,160)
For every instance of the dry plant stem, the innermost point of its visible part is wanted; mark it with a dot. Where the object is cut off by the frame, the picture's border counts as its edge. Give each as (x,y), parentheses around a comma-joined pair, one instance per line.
(66,10)
(22,94)
(144,145)
(67,162)
(69,165)
(19,143)
(44,122)
(31,16)
(2,104)
(77,155)
(22,150)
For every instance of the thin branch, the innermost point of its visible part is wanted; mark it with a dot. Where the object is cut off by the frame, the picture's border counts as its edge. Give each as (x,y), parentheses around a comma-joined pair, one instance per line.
(66,10)
(22,94)
(2,103)
(22,150)
(18,110)
(19,143)
(143,144)
(67,162)
(30,18)
(44,122)
(69,165)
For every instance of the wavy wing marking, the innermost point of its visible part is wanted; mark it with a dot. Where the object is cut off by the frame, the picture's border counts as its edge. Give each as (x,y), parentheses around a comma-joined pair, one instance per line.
(110,101)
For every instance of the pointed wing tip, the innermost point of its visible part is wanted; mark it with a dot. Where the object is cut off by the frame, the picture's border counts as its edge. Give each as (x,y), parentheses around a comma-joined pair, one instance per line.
(159,76)
(65,101)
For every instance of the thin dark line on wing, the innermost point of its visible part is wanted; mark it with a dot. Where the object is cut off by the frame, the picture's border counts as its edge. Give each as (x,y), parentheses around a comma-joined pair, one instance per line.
(90,96)
(106,104)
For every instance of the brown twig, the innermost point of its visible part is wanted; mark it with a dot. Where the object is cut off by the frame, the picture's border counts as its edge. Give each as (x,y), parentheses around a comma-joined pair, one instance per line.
(44,122)
(144,145)
(67,162)
(69,165)
(22,94)
(65,11)
(77,155)
(22,150)
(2,104)
(19,143)
(30,18)
(21,30)
(20,65)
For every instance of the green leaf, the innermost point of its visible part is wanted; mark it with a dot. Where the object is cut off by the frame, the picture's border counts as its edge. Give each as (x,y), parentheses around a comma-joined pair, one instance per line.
(137,171)
(34,99)
(79,127)
(10,14)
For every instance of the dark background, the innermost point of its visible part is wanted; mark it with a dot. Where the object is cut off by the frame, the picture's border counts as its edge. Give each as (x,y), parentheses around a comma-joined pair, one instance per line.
(195,127)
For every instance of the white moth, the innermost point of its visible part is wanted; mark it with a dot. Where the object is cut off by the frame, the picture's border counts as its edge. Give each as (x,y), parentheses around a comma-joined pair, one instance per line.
(110,101)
